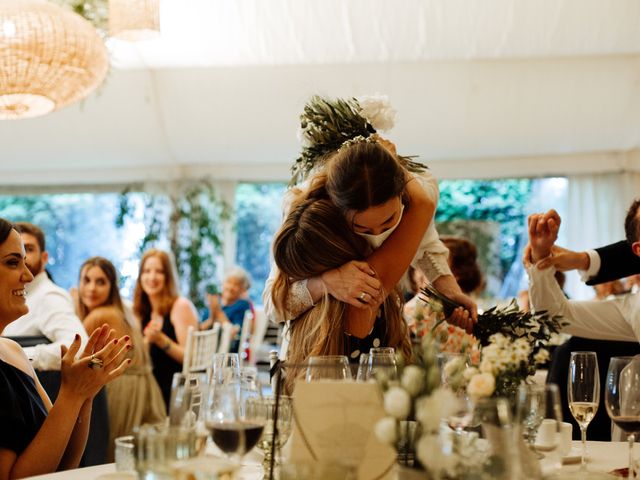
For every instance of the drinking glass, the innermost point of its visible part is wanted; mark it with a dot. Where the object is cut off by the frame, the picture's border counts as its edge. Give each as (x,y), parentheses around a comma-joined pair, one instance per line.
(452,364)
(622,399)
(226,368)
(328,367)
(539,415)
(188,398)
(250,386)
(234,431)
(125,456)
(382,363)
(583,393)
(363,368)
(266,407)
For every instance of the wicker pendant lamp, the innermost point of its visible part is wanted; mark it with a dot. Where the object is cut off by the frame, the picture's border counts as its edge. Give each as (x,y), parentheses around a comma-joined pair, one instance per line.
(134,19)
(49,58)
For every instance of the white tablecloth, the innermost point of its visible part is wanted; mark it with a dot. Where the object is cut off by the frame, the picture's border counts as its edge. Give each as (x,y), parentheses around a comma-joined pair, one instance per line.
(603,457)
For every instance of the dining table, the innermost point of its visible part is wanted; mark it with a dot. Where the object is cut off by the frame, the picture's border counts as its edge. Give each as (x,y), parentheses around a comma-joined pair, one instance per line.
(603,457)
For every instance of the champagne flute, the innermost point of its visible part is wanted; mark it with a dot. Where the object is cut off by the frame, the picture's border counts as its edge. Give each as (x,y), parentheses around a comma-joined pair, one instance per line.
(328,367)
(622,398)
(583,393)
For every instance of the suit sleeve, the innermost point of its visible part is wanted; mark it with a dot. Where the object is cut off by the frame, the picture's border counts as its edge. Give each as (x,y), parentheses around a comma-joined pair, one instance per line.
(616,261)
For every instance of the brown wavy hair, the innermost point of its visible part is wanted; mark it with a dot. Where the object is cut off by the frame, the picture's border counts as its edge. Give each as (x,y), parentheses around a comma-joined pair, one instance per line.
(141,302)
(463,258)
(110,272)
(314,238)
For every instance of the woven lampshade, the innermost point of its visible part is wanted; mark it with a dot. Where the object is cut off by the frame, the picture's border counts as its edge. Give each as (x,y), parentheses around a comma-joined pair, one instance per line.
(49,58)
(134,19)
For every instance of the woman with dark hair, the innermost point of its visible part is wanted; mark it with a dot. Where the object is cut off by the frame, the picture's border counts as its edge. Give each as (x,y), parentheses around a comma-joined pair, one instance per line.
(463,261)
(164,315)
(134,398)
(37,437)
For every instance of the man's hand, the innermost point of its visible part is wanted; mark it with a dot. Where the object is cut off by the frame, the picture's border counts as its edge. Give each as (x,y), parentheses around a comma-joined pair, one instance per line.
(564,260)
(543,232)
(465,317)
(354,283)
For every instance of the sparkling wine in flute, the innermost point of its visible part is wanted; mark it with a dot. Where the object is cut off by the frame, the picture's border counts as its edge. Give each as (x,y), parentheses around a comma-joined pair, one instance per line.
(583,412)
(235,437)
(628,424)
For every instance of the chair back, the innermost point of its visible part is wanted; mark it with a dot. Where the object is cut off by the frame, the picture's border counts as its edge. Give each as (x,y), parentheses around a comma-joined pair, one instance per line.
(260,324)
(245,334)
(200,348)
(225,337)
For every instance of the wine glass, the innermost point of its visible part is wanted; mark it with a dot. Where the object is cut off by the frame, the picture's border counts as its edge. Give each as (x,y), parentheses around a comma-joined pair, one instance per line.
(267,408)
(328,367)
(234,430)
(382,362)
(539,416)
(583,392)
(226,368)
(622,398)
(363,368)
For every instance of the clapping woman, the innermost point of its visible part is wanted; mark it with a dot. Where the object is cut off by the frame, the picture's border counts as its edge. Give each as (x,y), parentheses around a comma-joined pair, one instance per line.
(37,437)
(134,398)
(164,315)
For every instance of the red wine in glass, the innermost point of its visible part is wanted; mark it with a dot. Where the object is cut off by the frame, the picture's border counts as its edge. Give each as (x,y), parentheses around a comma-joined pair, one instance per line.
(235,437)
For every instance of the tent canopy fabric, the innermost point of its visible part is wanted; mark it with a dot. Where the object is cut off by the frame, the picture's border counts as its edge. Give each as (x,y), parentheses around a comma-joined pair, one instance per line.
(483,89)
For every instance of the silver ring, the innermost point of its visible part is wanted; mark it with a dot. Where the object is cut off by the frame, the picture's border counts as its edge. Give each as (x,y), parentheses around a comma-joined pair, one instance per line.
(95,362)
(363,297)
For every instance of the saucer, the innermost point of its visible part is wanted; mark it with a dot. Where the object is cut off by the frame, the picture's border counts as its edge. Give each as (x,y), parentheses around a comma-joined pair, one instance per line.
(574,456)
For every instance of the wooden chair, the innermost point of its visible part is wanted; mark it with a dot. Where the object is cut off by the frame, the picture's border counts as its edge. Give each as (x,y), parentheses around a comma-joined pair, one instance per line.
(225,337)
(200,348)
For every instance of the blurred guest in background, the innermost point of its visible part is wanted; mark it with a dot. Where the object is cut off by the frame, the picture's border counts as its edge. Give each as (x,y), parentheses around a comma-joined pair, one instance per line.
(135,397)
(164,315)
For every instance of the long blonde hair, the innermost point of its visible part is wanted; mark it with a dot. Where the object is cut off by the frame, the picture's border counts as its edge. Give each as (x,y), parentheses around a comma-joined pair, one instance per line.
(315,237)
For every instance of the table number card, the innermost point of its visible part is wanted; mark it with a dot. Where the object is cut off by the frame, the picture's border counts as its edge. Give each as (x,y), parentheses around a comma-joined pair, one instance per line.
(333,424)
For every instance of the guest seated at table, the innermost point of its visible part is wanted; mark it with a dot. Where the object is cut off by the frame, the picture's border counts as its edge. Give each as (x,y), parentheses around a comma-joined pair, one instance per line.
(232,305)
(37,437)
(314,238)
(164,315)
(463,261)
(134,398)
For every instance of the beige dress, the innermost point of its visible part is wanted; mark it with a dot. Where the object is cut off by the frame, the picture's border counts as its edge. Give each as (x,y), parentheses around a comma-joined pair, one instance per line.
(134,398)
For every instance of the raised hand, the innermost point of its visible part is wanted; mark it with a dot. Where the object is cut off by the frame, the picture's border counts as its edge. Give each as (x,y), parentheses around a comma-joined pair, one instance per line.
(354,283)
(543,233)
(83,377)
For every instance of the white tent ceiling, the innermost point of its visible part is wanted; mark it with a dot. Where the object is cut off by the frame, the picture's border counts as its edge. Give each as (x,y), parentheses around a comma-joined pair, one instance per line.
(483,88)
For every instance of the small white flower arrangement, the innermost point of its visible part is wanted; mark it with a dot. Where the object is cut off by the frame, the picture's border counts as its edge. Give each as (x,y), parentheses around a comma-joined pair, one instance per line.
(504,364)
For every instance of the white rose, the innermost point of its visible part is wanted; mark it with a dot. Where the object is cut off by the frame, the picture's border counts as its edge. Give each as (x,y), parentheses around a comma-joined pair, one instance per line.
(397,402)
(386,430)
(413,380)
(303,137)
(431,409)
(431,454)
(481,385)
(469,373)
(378,111)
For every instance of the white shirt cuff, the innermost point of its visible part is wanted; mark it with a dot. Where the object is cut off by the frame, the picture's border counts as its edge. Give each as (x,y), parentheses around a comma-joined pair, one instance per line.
(594,266)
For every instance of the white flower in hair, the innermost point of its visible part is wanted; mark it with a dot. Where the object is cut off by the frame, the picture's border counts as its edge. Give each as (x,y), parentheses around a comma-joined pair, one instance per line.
(378,111)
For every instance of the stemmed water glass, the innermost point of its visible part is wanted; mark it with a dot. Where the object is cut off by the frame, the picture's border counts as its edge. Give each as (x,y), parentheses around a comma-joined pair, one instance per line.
(328,367)
(539,415)
(622,398)
(382,362)
(266,407)
(583,392)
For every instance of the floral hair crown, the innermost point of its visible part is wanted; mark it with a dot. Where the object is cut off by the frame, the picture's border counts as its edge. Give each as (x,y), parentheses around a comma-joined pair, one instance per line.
(328,125)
